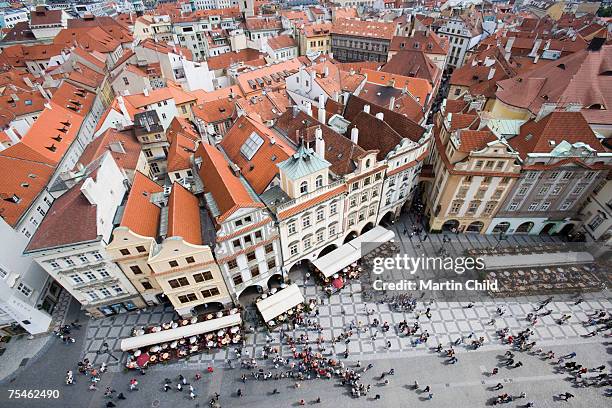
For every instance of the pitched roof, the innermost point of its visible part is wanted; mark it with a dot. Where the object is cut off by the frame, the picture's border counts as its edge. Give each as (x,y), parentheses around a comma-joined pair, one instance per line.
(427,41)
(25,174)
(160,94)
(404,103)
(413,63)
(219,180)
(315,30)
(42,16)
(180,152)
(418,87)
(583,77)
(260,169)
(556,127)
(340,152)
(26,103)
(41,51)
(53,132)
(280,42)
(140,215)
(59,228)
(336,80)
(302,163)
(223,61)
(89,38)
(359,28)
(474,140)
(264,77)
(122,145)
(184,215)
(214,111)
(263,23)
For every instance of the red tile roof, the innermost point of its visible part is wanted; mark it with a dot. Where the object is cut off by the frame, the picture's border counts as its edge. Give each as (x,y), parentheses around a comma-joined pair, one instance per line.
(215,111)
(110,141)
(224,60)
(265,23)
(536,137)
(429,42)
(474,140)
(358,28)
(140,215)
(42,51)
(184,215)
(42,16)
(281,41)
(25,174)
(261,169)
(26,103)
(89,38)
(59,228)
(226,188)
(413,63)
(180,153)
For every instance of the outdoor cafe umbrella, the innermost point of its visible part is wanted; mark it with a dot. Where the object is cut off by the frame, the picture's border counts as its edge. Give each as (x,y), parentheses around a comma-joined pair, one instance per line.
(338,283)
(142,359)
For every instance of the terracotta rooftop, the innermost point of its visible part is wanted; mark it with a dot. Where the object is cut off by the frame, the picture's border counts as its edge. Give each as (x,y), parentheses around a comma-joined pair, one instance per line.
(89,38)
(42,16)
(419,88)
(140,215)
(404,103)
(25,174)
(429,42)
(184,215)
(260,24)
(160,94)
(255,81)
(340,152)
(474,140)
(281,41)
(217,110)
(358,28)
(122,145)
(180,153)
(264,108)
(317,29)
(556,127)
(583,77)
(223,61)
(41,51)
(14,104)
(226,188)
(413,63)
(261,168)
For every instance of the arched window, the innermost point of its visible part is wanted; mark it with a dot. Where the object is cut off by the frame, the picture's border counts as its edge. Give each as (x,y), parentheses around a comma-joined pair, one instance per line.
(367,163)
(319,182)
(303,187)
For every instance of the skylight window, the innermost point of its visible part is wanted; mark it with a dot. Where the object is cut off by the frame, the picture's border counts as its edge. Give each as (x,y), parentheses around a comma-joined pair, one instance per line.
(251,146)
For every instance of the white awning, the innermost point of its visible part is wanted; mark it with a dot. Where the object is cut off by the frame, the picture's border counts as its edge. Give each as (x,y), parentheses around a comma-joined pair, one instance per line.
(351,251)
(164,336)
(278,303)
(337,259)
(517,261)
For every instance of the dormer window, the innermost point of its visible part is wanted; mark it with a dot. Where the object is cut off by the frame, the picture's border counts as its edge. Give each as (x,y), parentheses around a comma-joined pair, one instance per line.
(303,187)
(319,182)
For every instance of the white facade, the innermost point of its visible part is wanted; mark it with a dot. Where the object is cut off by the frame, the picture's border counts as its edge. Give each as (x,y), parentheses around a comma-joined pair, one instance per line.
(8,18)
(23,284)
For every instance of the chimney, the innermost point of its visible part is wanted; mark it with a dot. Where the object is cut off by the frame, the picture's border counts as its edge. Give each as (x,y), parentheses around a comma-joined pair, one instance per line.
(491,74)
(536,47)
(355,135)
(321,111)
(536,59)
(88,190)
(319,143)
(508,48)
(145,91)
(366,108)
(545,109)
(308,108)
(326,71)
(47,105)
(392,103)
(380,116)
(123,109)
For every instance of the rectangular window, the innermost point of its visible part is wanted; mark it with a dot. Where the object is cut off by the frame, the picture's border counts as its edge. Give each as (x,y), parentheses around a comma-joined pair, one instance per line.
(237,279)
(291,228)
(92,295)
(189,297)
(247,240)
(83,259)
(90,275)
(251,256)
(333,208)
(271,263)
(179,282)
(97,255)
(236,243)
(103,273)
(190,259)
(146,285)
(206,293)
(136,269)
(596,222)
(320,215)
(269,248)
(124,251)
(254,271)
(105,292)
(202,276)
(141,249)
(258,235)
(545,206)
(513,207)
(173,264)
(293,249)
(118,289)
(231,264)
(533,206)
(76,278)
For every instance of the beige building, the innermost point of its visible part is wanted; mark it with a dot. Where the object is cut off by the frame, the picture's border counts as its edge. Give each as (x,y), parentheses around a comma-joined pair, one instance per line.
(134,239)
(474,172)
(315,38)
(183,263)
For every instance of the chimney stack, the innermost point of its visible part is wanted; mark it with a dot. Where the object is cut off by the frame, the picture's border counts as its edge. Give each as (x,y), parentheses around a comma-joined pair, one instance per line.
(355,135)
(366,108)
(308,108)
(326,71)
(145,91)
(319,143)
(392,103)
(491,74)
(321,111)
(380,116)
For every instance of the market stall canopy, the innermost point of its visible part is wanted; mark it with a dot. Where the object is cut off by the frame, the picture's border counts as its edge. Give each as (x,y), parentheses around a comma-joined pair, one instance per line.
(189,330)
(278,303)
(517,261)
(351,251)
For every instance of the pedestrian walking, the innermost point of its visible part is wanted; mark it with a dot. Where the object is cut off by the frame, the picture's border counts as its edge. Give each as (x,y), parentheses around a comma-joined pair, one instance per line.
(121,396)
(377,397)
(110,404)
(495,371)
(426,389)
(239,392)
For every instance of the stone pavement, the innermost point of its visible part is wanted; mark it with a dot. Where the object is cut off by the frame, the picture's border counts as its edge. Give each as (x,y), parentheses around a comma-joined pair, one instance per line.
(449,320)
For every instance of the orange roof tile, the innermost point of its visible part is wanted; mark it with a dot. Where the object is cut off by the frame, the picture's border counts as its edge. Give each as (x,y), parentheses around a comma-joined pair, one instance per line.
(474,140)
(261,169)
(281,41)
(180,152)
(359,28)
(418,87)
(110,141)
(25,174)
(219,180)
(141,215)
(184,215)
(214,111)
